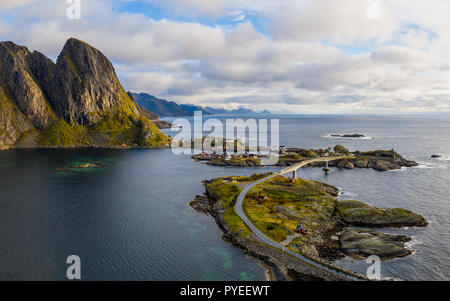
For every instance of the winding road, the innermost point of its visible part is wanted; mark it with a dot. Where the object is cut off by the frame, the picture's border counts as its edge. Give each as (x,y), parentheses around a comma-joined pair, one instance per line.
(263,238)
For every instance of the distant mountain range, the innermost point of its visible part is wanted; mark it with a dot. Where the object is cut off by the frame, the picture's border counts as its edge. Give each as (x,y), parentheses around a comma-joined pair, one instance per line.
(164,108)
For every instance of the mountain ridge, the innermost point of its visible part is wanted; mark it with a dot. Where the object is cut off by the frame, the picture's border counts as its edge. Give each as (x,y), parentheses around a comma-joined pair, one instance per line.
(76,102)
(165,108)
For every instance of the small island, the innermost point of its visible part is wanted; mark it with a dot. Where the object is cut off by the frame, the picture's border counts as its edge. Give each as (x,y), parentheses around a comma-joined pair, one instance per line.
(307,218)
(348,136)
(381,160)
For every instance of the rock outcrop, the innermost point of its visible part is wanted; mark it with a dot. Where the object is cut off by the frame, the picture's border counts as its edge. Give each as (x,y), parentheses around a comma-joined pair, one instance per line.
(84,84)
(361,214)
(18,83)
(77,101)
(381,160)
(362,243)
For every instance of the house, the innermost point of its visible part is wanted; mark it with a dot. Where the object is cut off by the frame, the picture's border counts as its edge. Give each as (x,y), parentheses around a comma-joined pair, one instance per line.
(261,198)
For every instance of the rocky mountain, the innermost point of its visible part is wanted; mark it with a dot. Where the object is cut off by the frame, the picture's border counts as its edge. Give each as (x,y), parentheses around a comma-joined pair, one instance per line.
(166,108)
(77,101)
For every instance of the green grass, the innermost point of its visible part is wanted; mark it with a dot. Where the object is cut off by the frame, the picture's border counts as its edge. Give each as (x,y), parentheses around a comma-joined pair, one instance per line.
(287,205)
(61,134)
(225,192)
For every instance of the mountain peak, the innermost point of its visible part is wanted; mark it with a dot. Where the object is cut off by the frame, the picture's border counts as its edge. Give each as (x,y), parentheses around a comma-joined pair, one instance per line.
(63,100)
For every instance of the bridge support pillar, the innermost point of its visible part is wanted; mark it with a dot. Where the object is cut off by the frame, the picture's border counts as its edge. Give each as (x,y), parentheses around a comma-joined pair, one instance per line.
(326,168)
(294,175)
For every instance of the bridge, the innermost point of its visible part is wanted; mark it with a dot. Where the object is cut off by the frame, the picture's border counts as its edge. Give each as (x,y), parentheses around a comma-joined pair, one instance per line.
(297,166)
(263,238)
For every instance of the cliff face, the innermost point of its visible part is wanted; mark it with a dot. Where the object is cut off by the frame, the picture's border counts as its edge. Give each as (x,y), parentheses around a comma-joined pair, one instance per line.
(78,101)
(18,81)
(85,84)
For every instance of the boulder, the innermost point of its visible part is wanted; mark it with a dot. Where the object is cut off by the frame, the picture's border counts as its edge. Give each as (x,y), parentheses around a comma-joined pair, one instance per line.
(201,204)
(360,214)
(362,243)
(346,165)
(361,163)
(381,165)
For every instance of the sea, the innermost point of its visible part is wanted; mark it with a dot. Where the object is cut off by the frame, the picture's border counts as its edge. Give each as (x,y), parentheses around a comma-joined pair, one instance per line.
(130,219)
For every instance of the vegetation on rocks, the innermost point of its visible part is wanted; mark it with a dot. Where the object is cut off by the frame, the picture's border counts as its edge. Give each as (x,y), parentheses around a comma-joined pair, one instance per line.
(288,204)
(279,205)
(339,149)
(76,102)
(361,214)
(61,134)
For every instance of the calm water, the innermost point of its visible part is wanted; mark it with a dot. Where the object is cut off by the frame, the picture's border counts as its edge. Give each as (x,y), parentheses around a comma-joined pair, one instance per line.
(131,219)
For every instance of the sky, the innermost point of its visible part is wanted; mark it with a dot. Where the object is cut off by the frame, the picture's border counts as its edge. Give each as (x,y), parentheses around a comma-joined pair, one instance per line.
(286,56)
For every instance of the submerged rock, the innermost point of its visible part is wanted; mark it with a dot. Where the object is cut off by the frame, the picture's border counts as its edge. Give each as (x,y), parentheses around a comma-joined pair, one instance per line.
(88,165)
(360,214)
(362,243)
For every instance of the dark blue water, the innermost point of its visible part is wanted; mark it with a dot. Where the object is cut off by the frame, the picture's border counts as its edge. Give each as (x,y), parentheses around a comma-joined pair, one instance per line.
(131,219)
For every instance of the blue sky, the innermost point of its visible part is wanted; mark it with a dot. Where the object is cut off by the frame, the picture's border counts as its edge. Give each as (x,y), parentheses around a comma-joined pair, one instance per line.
(299,56)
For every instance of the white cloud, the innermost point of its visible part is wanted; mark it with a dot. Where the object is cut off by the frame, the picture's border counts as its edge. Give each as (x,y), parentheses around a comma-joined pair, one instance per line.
(213,8)
(402,64)
(333,20)
(8,4)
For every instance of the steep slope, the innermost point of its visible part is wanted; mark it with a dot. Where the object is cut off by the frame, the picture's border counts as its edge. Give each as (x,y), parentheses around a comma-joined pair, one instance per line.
(78,101)
(85,84)
(18,82)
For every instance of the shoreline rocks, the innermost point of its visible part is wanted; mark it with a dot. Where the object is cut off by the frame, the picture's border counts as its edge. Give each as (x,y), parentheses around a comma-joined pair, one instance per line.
(201,204)
(362,243)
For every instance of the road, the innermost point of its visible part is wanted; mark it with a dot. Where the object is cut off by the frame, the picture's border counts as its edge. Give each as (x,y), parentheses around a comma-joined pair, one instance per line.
(263,238)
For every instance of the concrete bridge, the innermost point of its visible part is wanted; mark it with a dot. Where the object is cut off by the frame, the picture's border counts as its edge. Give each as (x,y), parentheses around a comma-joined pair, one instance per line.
(297,166)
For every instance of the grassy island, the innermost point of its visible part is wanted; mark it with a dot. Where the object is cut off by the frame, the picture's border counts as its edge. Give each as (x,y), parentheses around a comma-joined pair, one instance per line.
(305,217)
